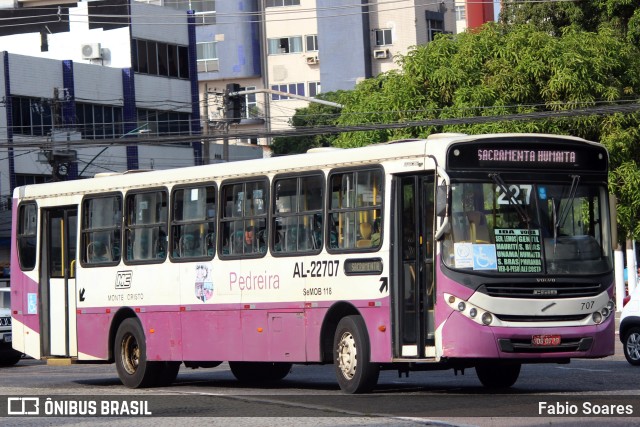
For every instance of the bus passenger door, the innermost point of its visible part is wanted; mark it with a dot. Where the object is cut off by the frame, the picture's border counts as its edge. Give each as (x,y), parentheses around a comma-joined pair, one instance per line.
(57,281)
(413,291)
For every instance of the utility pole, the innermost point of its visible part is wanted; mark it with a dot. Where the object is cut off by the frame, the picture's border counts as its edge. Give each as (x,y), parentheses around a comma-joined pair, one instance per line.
(205,147)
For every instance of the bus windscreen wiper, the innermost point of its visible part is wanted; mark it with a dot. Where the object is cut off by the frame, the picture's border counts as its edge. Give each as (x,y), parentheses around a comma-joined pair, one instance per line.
(575,180)
(497,179)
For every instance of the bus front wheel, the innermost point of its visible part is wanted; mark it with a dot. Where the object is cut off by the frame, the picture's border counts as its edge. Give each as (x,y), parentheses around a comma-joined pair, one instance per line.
(131,356)
(352,356)
(498,375)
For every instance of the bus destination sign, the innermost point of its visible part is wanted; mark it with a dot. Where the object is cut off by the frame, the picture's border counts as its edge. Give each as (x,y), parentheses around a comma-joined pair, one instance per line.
(518,251)
(527,156)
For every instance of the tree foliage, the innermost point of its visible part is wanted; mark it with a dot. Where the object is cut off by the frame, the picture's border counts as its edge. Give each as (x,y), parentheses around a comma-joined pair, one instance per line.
(502,70)
(623,16)
(315,115)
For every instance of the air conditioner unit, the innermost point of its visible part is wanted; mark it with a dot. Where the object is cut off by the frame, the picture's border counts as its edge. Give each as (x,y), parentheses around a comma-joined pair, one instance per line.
(381,53)
(312,60)
(91,51)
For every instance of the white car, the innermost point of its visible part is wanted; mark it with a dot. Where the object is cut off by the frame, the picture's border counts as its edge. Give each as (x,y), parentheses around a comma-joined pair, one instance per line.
(630,328)
(8,356)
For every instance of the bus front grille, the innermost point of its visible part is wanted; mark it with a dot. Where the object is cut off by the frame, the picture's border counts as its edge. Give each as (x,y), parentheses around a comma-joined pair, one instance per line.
(531,290)
(519,318)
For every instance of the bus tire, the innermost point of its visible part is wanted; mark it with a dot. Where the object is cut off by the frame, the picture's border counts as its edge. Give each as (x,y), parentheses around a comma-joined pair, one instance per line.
(352,356)
(498,375)
(631,346)
(257,372)
(10,359)
(130,352)
(168,373)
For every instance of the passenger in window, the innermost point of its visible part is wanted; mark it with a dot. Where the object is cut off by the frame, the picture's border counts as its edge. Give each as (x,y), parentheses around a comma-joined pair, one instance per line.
(249,240)
(98,252)
(375,236)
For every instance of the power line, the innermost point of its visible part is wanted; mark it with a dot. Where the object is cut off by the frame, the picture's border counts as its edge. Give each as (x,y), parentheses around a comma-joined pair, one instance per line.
(333,129)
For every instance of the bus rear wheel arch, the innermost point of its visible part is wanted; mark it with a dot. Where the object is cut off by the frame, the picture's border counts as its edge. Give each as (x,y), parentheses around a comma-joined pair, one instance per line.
(130,354)
(352,356)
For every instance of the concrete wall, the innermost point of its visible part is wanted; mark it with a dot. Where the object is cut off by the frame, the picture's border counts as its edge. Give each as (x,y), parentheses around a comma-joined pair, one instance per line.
(344,43)
(238,37)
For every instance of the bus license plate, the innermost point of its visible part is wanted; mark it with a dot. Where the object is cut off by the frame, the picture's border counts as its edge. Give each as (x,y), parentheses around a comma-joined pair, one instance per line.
(545,340)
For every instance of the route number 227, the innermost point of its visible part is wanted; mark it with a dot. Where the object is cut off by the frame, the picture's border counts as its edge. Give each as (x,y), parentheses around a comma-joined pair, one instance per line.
(521,193)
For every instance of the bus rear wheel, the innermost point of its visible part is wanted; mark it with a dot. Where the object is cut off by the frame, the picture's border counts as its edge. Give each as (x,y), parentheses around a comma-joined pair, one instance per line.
(498,375)
(352,356)
(130,352)
(257,372)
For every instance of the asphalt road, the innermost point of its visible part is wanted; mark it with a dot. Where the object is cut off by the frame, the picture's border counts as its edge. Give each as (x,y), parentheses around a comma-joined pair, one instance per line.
(309,395)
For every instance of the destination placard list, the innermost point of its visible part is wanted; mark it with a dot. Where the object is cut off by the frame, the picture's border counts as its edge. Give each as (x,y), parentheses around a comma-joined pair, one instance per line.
(518,251)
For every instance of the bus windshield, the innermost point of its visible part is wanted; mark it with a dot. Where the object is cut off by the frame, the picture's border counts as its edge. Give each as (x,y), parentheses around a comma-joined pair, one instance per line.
(528,228)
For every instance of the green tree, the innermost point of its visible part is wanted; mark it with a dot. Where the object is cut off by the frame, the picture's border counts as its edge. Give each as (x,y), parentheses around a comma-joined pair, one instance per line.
(313,116)
(555,17)
(502,70)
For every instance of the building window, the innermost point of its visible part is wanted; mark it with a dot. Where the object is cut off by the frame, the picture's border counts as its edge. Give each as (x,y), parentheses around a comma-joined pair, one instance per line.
(312,42)
(158,122)
(161,59)
(285,45)
(461,13)
(23,179)
(292,88)
(205,10)
(250,104)
(435,24)
(31,116)
(207,57)
(205,18)
(314,88)
(99,121)
(280,3)
(383,37)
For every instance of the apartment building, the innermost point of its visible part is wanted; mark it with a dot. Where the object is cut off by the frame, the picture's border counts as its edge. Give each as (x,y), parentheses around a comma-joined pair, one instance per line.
(90,87)
(300,48)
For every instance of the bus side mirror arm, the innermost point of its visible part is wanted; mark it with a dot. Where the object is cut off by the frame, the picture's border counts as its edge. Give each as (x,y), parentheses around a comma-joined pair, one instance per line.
(442,204)
(613,213)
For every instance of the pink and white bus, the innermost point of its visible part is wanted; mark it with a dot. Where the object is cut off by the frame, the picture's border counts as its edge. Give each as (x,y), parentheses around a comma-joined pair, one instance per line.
(454,252)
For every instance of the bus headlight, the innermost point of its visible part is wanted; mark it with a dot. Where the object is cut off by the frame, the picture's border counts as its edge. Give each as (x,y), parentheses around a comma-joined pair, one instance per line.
(597,317)
(602,314)
(471,311)
(487,318)
(611,305)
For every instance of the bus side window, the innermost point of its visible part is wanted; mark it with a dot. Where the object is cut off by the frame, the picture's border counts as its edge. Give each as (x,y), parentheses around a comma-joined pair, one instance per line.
(146,226)
(356,202)
(101,230)
(297,213)
(27,227)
